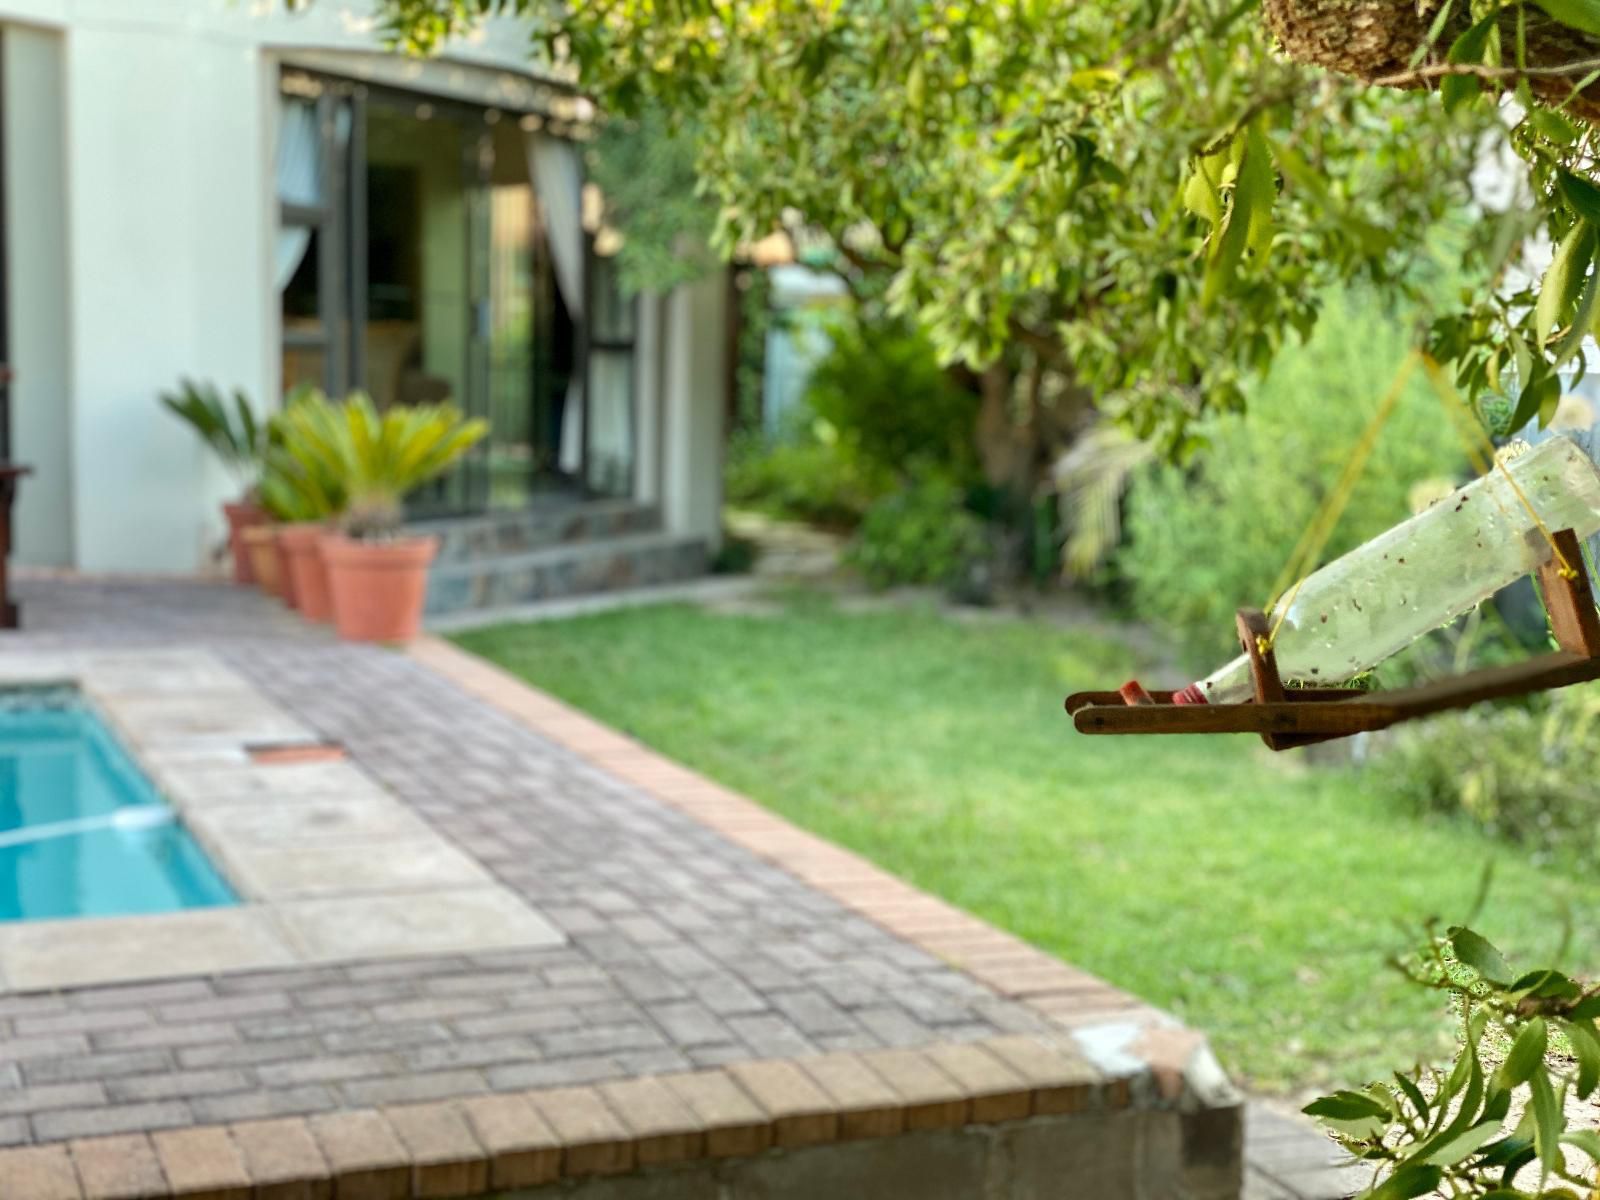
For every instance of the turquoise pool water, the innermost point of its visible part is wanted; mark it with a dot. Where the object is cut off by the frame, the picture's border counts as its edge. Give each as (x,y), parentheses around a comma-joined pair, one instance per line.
(82,831)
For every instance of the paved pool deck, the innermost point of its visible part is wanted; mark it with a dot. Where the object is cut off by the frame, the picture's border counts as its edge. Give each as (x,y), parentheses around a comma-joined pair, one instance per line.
(734,1008)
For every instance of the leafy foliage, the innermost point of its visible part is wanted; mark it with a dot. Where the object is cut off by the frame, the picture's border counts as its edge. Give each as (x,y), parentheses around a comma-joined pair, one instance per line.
(1205,538)
(1453,1132)
(298,481)
(1013,172)
(921,534)
(896,411)
(377,457)
(227,426)
(645,169)
(803,476)
(1524,773)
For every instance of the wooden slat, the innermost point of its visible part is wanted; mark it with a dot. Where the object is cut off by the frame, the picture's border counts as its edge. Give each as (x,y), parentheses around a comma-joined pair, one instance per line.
(1377,710)
(1570,602)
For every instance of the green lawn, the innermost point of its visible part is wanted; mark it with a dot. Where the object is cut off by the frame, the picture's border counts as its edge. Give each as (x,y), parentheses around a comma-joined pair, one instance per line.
(1253,898)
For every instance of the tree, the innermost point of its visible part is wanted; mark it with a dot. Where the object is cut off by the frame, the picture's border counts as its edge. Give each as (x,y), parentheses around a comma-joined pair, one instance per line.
(1011,175)
(1538,64)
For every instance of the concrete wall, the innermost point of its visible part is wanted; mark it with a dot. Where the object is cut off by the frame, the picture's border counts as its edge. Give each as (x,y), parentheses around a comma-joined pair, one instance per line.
(693,406)
(36,240)
(143,215)
(1144,1155)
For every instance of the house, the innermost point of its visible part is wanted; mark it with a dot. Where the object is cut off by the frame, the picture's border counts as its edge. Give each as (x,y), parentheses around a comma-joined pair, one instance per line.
(228,191)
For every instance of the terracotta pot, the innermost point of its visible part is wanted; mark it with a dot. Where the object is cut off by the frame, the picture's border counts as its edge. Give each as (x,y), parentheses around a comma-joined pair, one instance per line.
(261,544)
(303,567)
(286,580)
(378,587)
(241,516)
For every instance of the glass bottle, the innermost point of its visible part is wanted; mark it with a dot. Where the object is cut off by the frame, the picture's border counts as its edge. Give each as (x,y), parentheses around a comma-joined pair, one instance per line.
(1356,611)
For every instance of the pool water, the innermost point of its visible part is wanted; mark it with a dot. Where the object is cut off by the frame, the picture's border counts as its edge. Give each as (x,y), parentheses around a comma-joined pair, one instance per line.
(82,831)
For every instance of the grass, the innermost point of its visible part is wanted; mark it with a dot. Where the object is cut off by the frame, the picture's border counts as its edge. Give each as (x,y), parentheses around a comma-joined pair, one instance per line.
(1255,899)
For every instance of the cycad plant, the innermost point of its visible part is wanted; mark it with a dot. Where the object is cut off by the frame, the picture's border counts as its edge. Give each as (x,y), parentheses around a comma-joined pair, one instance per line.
(378,457)
(227,425)
(301,480)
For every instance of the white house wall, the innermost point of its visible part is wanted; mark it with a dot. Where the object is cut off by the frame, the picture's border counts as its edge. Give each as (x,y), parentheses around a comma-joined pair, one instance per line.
(157,264)
(694,403)
(35,202)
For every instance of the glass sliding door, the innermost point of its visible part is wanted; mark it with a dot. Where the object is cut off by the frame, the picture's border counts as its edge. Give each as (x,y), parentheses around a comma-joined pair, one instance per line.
(417,337)
(433,251)
(314,129)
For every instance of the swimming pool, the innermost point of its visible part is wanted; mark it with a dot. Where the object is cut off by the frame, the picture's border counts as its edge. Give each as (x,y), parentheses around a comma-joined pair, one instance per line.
(82,831)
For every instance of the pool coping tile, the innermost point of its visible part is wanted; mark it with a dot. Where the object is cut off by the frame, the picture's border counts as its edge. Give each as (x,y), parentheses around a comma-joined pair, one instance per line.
(189,722)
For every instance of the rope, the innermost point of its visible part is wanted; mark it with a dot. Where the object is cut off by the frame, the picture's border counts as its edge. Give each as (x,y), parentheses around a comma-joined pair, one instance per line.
(1480,453)
(1453,401)
(1304,556)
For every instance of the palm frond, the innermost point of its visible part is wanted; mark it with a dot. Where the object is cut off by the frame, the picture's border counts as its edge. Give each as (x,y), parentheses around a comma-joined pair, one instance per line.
(1090,481)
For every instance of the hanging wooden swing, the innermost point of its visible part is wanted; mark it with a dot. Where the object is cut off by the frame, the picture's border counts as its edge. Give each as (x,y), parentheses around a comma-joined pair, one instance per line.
(1290,717)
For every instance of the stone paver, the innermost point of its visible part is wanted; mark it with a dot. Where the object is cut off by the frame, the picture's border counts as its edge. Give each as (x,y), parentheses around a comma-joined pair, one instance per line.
(700,932)
(683,949)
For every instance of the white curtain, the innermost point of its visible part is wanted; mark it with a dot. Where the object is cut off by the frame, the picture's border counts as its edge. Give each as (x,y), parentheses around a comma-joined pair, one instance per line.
(558,181)
(299,175)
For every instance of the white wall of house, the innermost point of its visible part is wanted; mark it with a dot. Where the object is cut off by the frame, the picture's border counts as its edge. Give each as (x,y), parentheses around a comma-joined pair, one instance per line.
(694,407)
(31,68)
(141,217)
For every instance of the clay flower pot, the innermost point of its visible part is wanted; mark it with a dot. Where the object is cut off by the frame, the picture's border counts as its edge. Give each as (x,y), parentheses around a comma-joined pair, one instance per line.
(303,567)
(286,580)
(378,587)
(241,516)
(261,544)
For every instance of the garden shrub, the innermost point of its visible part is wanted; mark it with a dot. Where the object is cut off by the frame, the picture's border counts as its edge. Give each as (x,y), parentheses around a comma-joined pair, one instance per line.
(881,387)
(878,411)
(923,533)
(1205,538)
(802,477)
(1524,772)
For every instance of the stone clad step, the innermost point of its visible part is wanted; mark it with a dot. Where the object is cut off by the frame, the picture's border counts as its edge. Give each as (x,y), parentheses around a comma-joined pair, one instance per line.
(580,568)
(553,522)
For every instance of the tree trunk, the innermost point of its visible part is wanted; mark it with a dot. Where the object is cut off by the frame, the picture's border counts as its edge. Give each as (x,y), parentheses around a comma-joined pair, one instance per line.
(1374,41)
(998,451)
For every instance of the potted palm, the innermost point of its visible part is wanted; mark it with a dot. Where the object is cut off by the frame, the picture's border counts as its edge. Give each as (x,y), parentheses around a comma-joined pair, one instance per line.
(229,428)
(377,573)
(301,486)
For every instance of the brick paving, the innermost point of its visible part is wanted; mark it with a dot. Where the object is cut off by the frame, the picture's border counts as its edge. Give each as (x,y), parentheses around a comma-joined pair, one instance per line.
(686,951)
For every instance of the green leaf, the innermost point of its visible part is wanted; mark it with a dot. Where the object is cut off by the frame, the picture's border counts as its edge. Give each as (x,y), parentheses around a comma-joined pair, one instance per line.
(1581,195)
(1540,390)
(1477,952)
(1258,156)
(1548,1120)
(1586,1140)
(1554,126)
(1576,14)
(1559,289)
(1585,1009)
(1413,1093)
(1248,219)
(1468,48)
(1586,1047)
(1509,1150)
(1463,1144)
(1346,1106)
(1526,1055)
(1413,1179)
(1497,1105)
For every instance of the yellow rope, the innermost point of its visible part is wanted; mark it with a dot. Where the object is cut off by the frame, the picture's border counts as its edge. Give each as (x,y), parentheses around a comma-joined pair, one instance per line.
(1303,559)
(1453,401)
(1480,453)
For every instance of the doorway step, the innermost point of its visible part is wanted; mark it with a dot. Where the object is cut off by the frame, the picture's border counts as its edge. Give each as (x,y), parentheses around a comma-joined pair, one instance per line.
(556,549)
